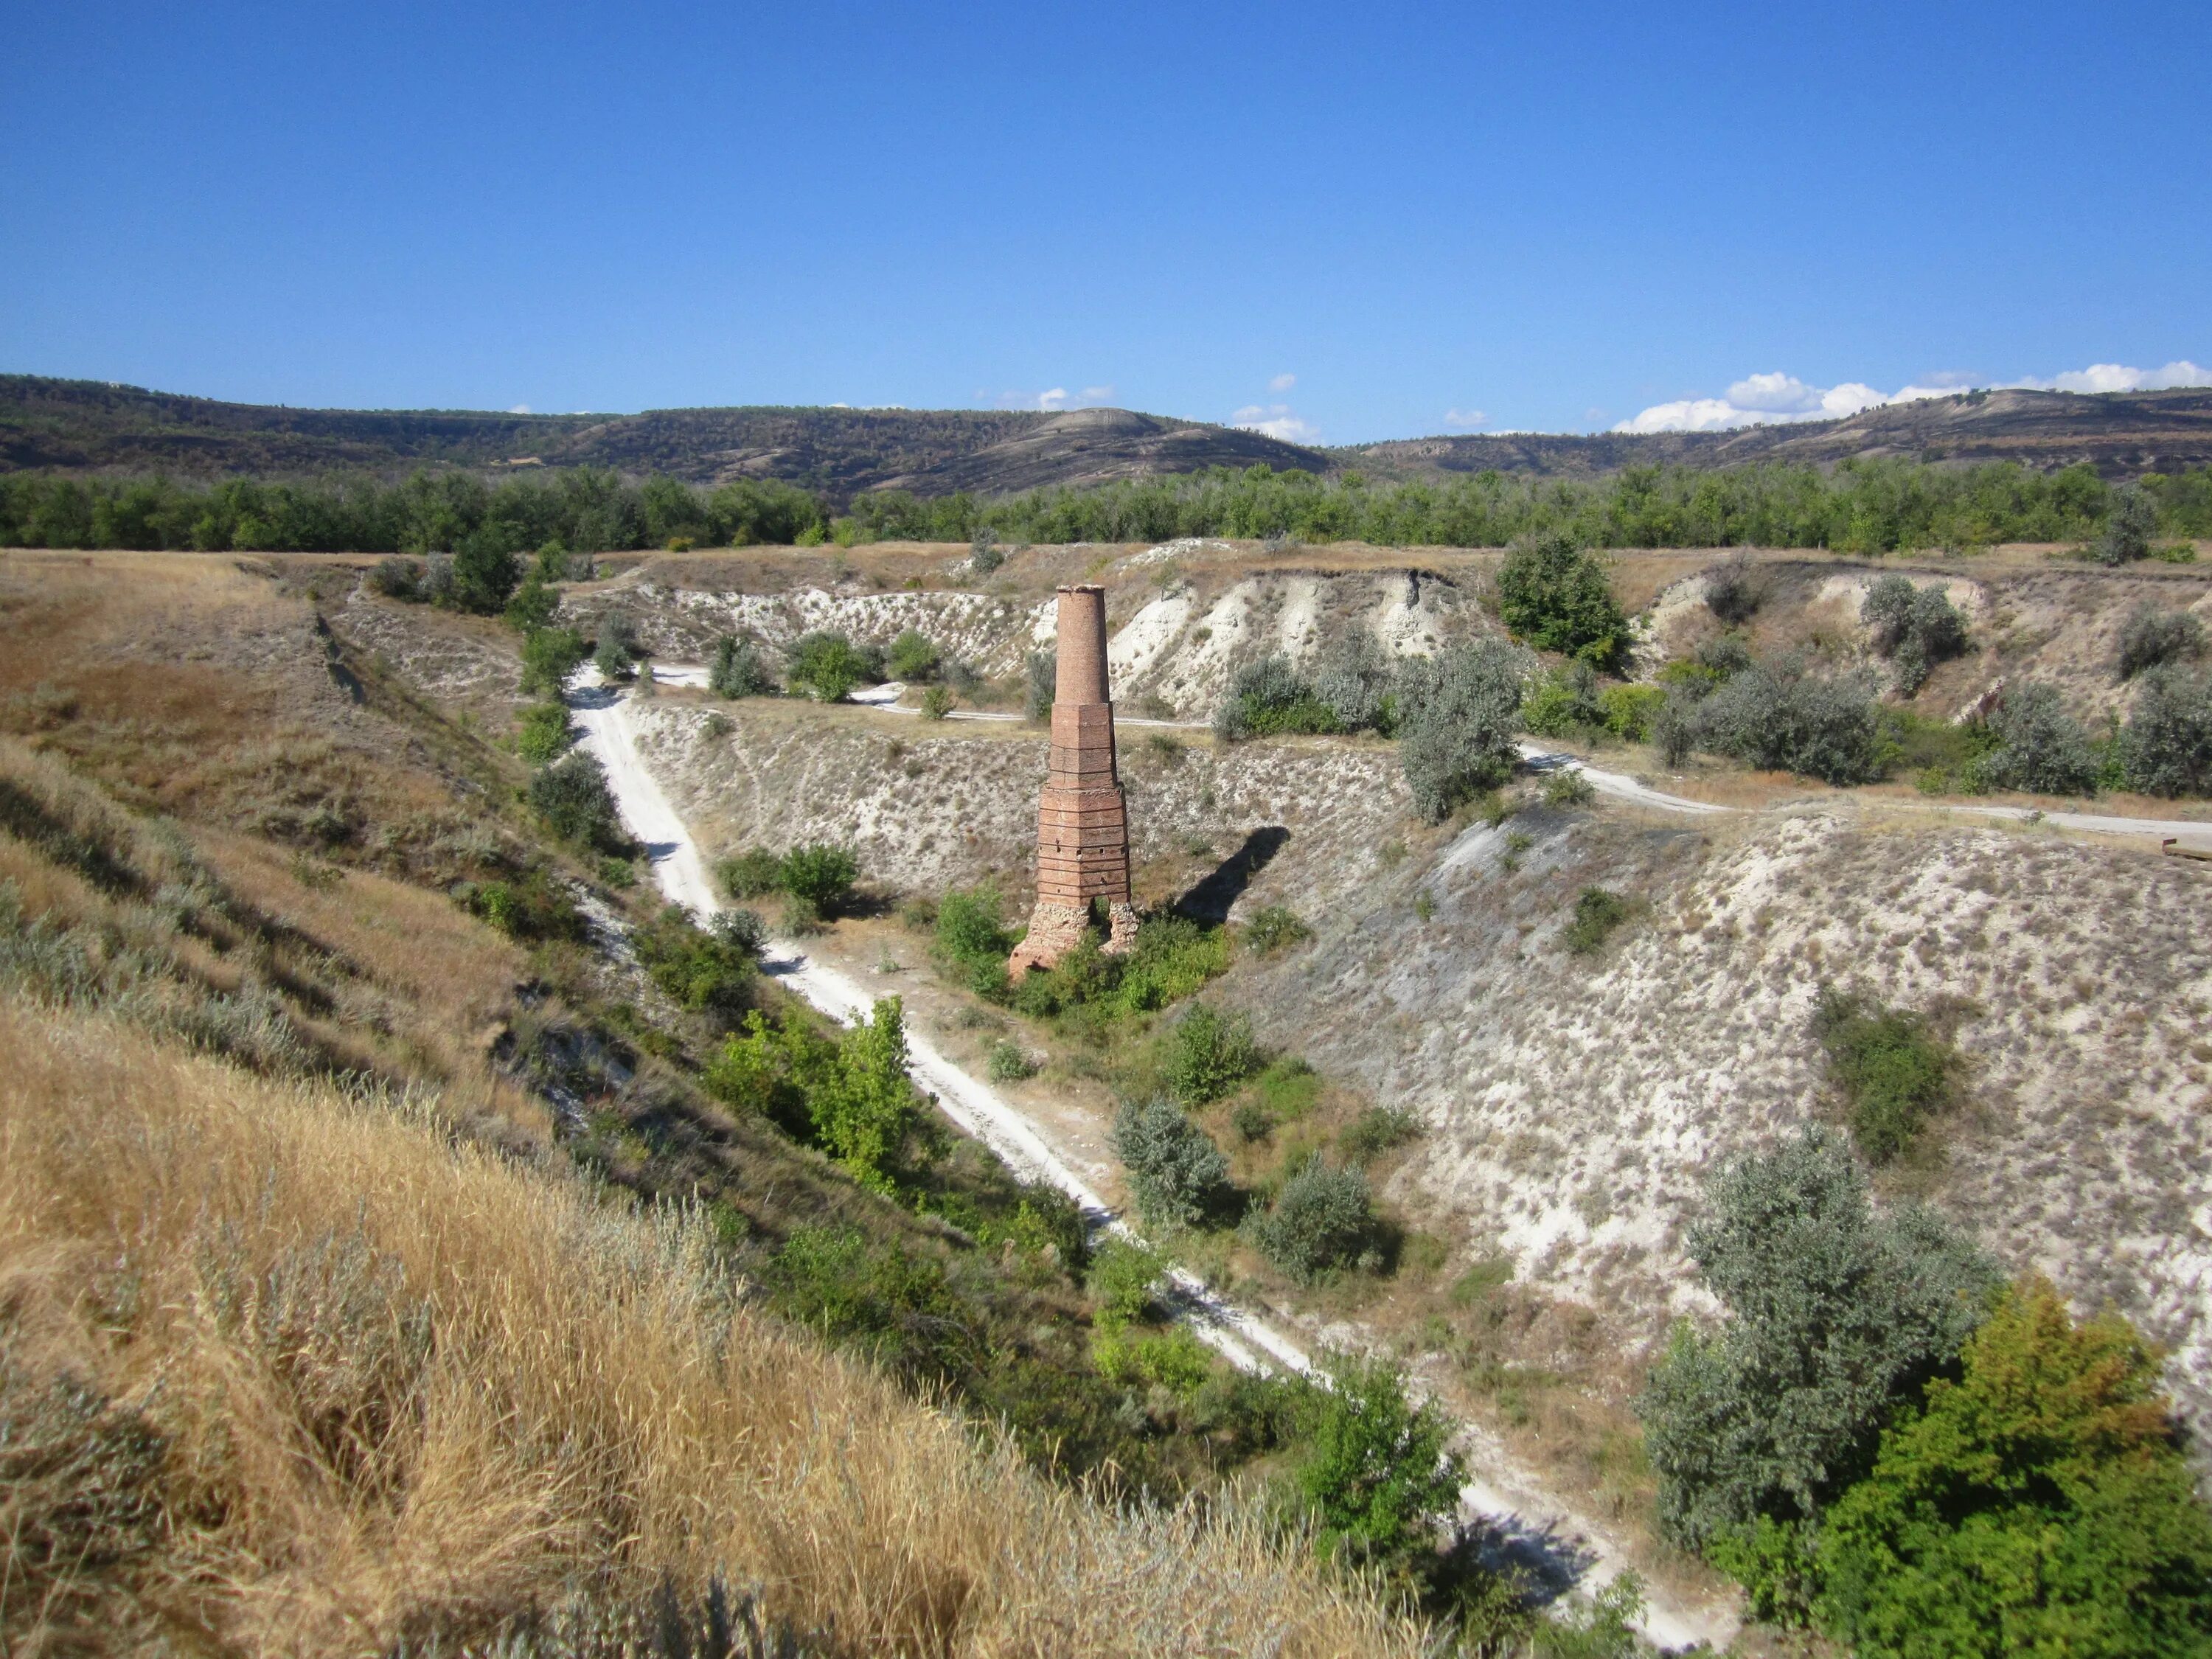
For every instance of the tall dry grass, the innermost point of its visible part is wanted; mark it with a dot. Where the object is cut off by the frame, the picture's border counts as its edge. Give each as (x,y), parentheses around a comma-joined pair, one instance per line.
(310,1378)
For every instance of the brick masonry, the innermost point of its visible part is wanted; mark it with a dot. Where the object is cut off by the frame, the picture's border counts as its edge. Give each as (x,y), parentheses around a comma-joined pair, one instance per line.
(1083,822)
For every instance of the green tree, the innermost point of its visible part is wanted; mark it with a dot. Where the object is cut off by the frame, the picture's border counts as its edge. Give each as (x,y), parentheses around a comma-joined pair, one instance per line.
(826,666)
(819,876)
(913,656)
(1377,1476)
(1209,1053)
(572,796)
(864,1108)
(550,655)
(1835,1315)
(1456,717)
(1321,1220)
(2039,1505)
(1554,594)
(484,573)
(1176,1170)
(534,604)
(2129,526)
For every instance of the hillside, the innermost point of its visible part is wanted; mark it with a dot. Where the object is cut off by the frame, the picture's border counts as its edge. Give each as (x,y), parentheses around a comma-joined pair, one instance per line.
(91,426)
(2121,433)
(85,426)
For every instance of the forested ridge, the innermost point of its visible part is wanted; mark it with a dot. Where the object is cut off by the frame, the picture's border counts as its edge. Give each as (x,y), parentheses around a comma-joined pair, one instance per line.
(1862,506)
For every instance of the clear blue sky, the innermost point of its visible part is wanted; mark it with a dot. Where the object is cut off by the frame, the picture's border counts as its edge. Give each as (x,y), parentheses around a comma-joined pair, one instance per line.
(1543,216)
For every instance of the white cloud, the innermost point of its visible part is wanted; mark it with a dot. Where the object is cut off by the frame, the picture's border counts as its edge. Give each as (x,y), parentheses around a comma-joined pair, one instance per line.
(1282,383)
(1760,399)
(1054,399)
(518,409)
(1466,417)
(2118,377)
(1277,421)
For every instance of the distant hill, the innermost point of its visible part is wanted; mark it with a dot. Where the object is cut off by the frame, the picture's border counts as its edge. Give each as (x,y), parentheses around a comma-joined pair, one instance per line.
(92,426)
(2121,433)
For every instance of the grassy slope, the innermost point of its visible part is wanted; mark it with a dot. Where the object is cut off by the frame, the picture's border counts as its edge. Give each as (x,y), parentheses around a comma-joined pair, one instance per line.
(229,829)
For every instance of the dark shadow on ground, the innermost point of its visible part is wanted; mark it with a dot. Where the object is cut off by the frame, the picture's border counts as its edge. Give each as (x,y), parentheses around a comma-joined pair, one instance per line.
(1542,1562)
(1209,900)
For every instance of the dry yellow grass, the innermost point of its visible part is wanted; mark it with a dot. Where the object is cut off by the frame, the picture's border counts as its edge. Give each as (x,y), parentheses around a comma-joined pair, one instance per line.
(404,1387)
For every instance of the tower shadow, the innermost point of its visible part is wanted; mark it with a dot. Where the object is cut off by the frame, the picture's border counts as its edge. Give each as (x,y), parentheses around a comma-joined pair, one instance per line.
(1209,900)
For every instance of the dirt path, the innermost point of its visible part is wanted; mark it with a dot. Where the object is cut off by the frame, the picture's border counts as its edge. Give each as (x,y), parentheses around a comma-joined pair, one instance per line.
(1533,1524)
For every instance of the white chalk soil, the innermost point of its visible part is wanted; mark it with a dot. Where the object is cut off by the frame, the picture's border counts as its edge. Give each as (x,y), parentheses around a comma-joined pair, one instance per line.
(1506,1498)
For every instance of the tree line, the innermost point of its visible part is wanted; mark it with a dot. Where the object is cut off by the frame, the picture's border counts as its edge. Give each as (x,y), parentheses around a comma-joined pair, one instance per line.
(1875,505)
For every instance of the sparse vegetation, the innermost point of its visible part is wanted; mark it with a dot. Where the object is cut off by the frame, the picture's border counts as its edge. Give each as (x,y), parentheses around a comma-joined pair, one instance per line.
(1567,787)
(1275,927)
(1734,591)
(1007,1063)
(1040,686)
(1597,913)
(1895,1072)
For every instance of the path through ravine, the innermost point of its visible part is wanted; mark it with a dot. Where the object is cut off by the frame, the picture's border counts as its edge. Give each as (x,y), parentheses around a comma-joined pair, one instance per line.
(1531,1525)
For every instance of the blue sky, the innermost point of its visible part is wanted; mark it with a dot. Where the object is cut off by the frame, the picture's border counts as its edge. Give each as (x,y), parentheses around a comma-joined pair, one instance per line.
(1344,222)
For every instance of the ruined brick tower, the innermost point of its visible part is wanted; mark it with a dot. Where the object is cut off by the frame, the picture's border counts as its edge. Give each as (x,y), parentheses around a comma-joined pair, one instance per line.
(1083,823)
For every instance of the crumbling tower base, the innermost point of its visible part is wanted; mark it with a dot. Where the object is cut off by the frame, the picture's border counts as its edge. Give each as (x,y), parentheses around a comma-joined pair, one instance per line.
(1083,822)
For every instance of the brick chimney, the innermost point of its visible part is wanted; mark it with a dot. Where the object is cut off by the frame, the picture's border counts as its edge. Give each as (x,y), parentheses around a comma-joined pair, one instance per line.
(1083,823)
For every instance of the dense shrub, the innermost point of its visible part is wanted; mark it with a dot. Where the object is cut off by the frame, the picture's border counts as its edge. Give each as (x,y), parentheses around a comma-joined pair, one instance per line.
(1270,696)
(1562,701)
(1554,594)
(969,930)
(544,732)
(819,876)
(615,652)
(484,573)
(1323,1219)
(1597,913)
(550,655)
(1456,716)
(984,553)
(534,604)
(737,670)
(2130,524)
(1734,591)
(529,907)
(2151,638)
(1209,1053)
(1376,1473)
(2168,745)
(1674,725)
(1779,717)
(1914,628)
(851,1095)
(1120,1281)
(397,579)
(1893,1070)
(1836,1314)
(572,797)
(2040,1504)
(2038,745)
(826,666)
(1175,1171)
(711,970)
(753,874)
(1629,710)
(912,656)
(1354,681)
(936,702)
(1172,957)
(1566,786)
(1375,1131)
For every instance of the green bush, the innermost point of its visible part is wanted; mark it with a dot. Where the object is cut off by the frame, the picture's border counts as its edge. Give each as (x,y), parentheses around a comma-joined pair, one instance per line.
(1209,1053)
(485,572)
(1120,1281)
(2151,638)
(819,876)
(1007,1063)
(1323,1219)
(1629,710)
(2039,1505)
(1893,1072)
(1566,786)
(531,905)
(572,797)
(397,579)
(1555,595)
(737,670)
(2130,524)
(1563,702)
(1376,1473)
(1172,1359)
(1836,1314)
(936,703)
(1172,957)
(1270,696)
(851,1096)
(753,874)
(534,604)
(615,652)
(1597,913)
(543,732)
(1375,1131)
(1914,628)
(1272,927)
(913,656)
(2167,746)
(1175,1171)
(1456,717)
(1776,716)
(967,927)
(1354,683)
(984,553)
(826,666)
(1040,685)
(2039,746)
(708,970)
(550,655)
(1288,1088)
